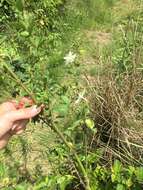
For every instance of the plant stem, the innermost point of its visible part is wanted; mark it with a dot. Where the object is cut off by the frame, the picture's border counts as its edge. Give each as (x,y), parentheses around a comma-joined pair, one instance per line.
(20,83)
(71,148)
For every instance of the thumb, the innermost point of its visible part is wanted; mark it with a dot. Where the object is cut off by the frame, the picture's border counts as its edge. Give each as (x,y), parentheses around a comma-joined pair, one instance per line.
(25,113)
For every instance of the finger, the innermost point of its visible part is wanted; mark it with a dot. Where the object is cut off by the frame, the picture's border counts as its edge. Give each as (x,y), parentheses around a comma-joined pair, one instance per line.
(14,102)
(6,107)
(19,125)
(25,113)
(4,140)
(7,125)
(20,131)
(27,100)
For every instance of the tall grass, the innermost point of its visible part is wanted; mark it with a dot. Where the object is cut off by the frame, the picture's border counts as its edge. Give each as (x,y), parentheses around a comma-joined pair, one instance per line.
(116,97)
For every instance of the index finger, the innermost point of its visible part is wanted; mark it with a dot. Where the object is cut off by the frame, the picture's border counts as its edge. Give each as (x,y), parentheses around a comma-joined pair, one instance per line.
(24,102)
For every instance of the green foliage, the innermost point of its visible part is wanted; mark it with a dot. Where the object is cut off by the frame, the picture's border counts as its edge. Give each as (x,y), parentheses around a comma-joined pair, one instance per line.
(119,178)
(36,38)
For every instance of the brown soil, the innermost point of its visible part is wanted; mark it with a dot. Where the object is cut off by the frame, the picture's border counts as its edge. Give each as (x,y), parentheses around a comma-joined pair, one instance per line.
(98,37)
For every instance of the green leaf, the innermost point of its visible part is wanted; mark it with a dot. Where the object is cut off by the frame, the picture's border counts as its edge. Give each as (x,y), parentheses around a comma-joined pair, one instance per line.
(21,187)
(65,99)
(120,187)
(2,170)
(61,109)
(40,186)
(19,5)
(63,181)
(131,170)
(89,123)
(117,167)
(129,182)
(139,173)
(24,34)
(113,178)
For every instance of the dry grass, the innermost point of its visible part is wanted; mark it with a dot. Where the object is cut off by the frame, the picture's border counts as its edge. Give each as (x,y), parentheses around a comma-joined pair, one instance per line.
(98,37)
(117,110)
(116,97)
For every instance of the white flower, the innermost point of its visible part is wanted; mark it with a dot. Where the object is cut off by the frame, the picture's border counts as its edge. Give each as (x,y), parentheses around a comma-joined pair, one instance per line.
(69,58)
(81,97)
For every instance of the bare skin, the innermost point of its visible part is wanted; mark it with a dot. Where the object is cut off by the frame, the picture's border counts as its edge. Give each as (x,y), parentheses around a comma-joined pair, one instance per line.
(13,121)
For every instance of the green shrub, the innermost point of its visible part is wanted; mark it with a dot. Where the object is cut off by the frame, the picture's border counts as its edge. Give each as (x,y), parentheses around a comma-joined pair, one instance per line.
(118,177)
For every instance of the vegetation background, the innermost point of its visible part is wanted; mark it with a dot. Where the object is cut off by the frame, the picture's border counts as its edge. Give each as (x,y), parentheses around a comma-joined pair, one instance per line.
(83,59)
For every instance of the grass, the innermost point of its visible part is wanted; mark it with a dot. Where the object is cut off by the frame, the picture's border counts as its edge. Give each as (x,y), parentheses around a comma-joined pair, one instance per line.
(115,80)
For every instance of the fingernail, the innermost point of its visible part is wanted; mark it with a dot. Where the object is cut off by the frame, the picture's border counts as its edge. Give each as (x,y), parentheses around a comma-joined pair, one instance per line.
(36,108)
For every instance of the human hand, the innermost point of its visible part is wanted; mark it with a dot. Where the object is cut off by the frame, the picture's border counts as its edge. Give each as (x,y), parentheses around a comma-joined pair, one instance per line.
(14,118)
